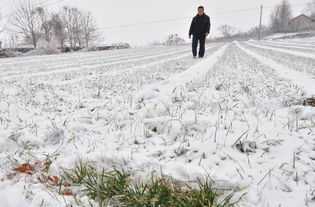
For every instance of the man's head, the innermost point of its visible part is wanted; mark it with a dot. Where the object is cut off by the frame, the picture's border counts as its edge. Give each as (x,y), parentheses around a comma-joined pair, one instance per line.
(201,10)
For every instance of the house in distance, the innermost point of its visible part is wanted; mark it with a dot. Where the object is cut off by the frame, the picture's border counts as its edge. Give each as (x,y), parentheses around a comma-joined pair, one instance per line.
(302,23)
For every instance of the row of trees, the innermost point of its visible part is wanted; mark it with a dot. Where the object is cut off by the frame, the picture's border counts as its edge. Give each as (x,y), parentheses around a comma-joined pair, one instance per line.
(70,25)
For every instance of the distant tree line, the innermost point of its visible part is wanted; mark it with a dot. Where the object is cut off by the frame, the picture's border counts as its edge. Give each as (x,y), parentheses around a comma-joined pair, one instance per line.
(69,26)
(279,22)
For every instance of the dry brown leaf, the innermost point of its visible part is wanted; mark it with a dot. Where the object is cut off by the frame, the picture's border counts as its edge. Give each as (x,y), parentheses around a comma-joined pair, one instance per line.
(67,192)
(46,166)
(55,180)
(66,184)
(25,168)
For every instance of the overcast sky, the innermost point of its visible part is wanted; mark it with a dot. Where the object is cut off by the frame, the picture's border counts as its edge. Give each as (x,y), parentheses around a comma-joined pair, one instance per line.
(111,13)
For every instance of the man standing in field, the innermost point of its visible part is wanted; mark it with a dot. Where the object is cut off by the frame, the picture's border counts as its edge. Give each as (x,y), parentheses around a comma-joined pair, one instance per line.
(200,29)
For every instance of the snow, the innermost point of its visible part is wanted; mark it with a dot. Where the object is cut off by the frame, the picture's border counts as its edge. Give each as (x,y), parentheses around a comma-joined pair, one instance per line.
(295,53)
(296,63)
(300,79)
(291,35)
(170,85)
(290,46)
(237,115)
(42,51)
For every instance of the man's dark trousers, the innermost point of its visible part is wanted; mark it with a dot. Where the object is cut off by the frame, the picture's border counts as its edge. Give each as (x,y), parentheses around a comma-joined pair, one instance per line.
(202,42)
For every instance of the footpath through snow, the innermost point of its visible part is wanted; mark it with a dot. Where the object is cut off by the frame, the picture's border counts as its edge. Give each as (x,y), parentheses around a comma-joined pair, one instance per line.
(169,86)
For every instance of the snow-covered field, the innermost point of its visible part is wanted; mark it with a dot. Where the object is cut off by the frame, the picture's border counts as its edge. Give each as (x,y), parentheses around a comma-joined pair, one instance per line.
(237,115)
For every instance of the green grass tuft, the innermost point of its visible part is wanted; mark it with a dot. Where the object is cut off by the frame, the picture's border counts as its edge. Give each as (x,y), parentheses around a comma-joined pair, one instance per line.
(116,188)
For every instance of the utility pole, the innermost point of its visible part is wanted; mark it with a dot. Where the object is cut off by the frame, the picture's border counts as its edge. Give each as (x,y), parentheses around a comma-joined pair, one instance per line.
(259,33)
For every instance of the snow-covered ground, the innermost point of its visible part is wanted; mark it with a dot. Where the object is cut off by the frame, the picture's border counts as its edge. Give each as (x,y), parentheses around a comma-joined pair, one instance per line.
(236,115)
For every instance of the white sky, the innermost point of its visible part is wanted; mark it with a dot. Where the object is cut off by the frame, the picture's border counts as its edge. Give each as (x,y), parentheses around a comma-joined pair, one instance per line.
(123,12)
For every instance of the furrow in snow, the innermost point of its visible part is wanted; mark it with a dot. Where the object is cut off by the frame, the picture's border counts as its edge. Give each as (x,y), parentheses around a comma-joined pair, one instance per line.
(118,72)
(301,79)
(296,63)
(56,68)
(286,43)
(290,47)
(295,53)
(85,56)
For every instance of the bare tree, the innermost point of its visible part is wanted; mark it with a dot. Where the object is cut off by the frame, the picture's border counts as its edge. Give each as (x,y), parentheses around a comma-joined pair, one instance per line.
(227,30)
(66,17)
(90,30)
(72,18)
(2,26)
(25,21)
(1,30)
(46,27)
(285,15)
(0,20)
(274,20)
(281,17)
(81,27)
(77,28)
(59,30)
(310,9)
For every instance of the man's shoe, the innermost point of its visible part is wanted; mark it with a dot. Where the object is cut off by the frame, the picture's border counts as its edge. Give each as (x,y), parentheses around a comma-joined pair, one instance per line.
(195,57)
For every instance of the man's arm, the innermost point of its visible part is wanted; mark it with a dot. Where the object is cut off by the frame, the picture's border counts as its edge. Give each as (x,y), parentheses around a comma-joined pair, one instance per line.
(191,30)
(208,25)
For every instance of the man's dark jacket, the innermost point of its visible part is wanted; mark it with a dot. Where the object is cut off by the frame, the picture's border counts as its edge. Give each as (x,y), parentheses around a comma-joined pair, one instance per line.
(200,25)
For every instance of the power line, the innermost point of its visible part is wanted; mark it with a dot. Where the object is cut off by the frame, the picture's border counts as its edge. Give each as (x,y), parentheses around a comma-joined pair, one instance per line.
(48,3)
(184,18)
